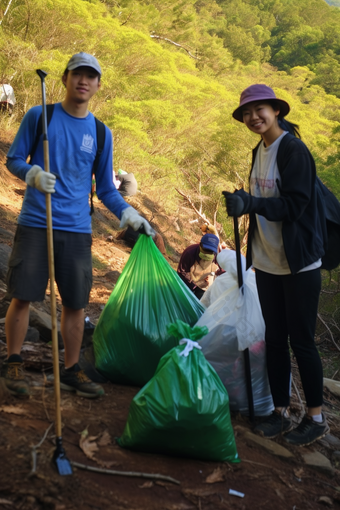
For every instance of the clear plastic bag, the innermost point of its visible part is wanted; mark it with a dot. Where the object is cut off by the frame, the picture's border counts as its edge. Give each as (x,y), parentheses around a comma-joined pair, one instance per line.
(235,322)
(220,347)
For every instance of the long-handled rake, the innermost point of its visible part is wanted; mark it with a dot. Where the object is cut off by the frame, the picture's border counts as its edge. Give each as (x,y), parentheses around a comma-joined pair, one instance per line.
(59,458)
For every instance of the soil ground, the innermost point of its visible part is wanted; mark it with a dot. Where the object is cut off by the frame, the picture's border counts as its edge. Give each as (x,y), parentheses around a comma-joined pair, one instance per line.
(90,427)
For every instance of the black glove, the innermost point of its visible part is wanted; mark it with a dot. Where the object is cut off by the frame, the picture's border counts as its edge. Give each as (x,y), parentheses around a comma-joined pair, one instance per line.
(234,203)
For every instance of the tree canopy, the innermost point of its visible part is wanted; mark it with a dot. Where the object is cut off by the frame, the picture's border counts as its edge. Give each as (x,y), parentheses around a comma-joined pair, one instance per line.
(173,71)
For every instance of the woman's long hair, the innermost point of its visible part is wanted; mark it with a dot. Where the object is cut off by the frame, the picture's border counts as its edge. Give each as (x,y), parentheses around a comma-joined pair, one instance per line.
(284,124)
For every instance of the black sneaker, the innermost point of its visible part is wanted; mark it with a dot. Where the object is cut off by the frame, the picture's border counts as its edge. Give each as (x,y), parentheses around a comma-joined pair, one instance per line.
(275,424)
(14,376)
(75,379)
(308,431)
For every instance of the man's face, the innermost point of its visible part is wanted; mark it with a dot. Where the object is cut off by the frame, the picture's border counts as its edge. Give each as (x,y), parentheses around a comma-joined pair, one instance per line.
(81,84)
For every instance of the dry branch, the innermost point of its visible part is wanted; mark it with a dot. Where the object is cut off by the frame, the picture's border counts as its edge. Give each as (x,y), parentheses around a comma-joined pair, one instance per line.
(175,44)
(329,331)
(190,202)
(152,476)
(34,451)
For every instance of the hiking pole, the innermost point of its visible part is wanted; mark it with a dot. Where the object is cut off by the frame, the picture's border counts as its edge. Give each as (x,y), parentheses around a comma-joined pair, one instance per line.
(246,351)
(59,458)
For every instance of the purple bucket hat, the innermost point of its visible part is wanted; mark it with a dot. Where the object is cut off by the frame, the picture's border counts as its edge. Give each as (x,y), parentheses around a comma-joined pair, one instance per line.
(259,92)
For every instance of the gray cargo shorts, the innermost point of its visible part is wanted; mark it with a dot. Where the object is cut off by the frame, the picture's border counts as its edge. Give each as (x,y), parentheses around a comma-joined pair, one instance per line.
(27,275)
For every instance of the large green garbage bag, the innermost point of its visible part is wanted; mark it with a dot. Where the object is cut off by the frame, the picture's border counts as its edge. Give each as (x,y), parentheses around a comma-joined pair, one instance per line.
(130,337)
(184,409)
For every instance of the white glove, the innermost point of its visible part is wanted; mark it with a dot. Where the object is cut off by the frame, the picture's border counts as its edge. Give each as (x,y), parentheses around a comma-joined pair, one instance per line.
(43,181)
(131,217)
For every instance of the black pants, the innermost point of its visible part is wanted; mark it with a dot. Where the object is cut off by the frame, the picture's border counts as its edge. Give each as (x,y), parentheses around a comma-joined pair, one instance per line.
(289,305)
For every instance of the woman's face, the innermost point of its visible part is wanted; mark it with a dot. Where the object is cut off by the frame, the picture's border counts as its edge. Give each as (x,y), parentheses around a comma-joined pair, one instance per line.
(260,117)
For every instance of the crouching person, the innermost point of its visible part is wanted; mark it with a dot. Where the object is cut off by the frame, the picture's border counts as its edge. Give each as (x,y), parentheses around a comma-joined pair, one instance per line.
(198,267)
(72,130)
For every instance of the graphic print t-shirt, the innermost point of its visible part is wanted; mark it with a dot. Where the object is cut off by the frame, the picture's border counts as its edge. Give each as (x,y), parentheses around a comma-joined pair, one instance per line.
(268,253)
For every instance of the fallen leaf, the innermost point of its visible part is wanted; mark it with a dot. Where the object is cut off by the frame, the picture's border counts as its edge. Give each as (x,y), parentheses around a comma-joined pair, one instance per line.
(87,444)
(216,476)
(106,464)
(12,409)
(6,502)
(104,439)
(279,494)
(146,485)
(298,472)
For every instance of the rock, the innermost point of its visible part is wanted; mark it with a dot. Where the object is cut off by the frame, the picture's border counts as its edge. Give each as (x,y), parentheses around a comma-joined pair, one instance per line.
(32,335)
(271,446)
(333,386)
(330,441)
(43,323)
(5,252)
(319,462)
(336,459)
(6,233)
(4,304)
(325,500)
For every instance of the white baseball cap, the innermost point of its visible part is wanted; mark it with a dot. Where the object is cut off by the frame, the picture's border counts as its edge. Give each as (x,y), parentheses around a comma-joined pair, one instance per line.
(83,60)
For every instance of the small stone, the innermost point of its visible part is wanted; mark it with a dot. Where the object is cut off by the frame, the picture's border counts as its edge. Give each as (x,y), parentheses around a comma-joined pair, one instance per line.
(271,446)
(319,462)
(333,386)
(325,500)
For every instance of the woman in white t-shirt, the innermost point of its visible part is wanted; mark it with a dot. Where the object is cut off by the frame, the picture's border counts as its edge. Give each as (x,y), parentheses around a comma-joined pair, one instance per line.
(285,246)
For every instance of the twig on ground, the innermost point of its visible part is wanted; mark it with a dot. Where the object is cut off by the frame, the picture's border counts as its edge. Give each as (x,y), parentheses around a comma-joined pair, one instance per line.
(329,331)
(43,398)
(335,373)
(260,464)
(152,476)
(34,451)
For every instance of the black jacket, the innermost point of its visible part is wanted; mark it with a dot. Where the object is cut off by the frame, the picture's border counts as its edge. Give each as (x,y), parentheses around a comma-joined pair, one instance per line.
(303,227)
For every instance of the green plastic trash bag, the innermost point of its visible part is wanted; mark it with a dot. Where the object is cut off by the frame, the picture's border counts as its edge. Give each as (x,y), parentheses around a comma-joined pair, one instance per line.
(130,337)
(184,409)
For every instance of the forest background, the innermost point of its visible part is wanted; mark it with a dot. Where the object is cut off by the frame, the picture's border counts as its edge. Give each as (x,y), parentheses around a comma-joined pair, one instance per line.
(173,71)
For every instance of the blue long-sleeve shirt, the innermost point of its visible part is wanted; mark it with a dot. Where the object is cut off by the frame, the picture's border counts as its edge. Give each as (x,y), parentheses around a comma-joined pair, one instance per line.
(72,148)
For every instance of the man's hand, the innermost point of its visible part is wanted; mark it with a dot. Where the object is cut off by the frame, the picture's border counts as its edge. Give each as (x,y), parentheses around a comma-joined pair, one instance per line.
(43,181)
(131,217)
(234,203)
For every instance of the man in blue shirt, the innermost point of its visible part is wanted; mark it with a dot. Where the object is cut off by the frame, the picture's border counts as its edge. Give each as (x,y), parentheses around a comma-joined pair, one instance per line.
(73,147)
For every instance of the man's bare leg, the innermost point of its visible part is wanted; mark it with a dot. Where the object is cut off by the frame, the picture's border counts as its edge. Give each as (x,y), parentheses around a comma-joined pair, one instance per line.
(16,325)
(72,330)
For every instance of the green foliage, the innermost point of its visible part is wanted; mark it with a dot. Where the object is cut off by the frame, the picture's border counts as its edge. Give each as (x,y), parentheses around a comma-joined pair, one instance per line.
(173,71)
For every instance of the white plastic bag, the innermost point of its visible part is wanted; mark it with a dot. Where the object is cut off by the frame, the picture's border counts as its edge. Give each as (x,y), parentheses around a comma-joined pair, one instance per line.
(227,305)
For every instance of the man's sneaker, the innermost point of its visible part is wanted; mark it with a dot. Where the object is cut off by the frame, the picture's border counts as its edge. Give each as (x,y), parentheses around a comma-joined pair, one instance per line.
(275,424)
(308,431)
(75,379)
(14,376)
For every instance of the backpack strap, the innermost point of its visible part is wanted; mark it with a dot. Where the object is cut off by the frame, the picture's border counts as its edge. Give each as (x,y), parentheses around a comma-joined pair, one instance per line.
(100,128)
(49,114)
